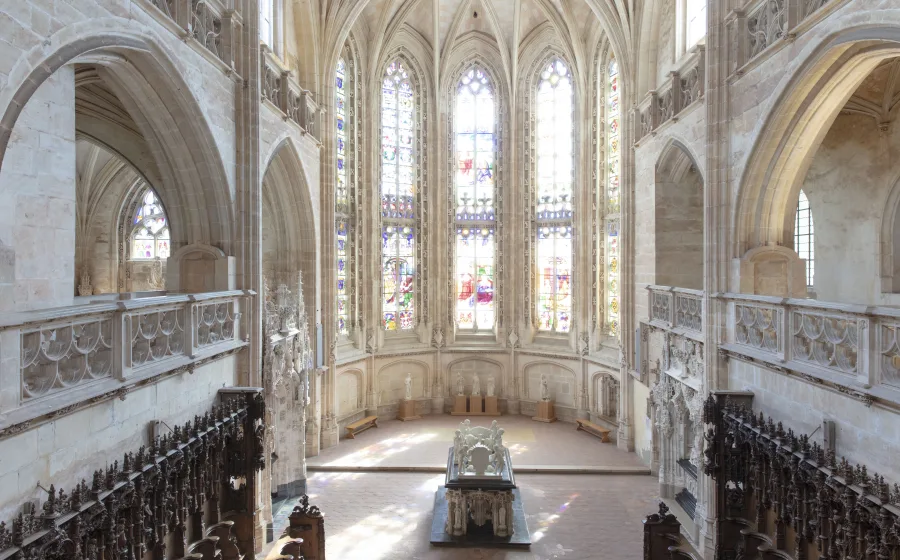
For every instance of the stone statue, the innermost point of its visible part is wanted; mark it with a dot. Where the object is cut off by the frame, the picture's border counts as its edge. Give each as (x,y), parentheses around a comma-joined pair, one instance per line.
(476,385)
(490,386)
(545,390)
(408,386)
(460,384)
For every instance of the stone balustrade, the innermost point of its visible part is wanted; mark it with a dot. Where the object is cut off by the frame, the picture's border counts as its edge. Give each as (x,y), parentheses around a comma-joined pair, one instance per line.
(56,360)
(760,24)
(281,89)
(208,23)
(676,308)
(854,348)
(682,88)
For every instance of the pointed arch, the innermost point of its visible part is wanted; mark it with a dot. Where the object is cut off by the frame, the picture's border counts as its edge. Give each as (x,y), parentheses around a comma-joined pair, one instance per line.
(161,103)
(290,239)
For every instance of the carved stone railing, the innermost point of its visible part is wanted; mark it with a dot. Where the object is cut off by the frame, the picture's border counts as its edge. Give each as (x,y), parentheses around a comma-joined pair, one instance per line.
(280,88)
(67,357)
(852,348)
(209,24)
(780,495)
(676,308)
(682,88)
(181,486)
(761,24)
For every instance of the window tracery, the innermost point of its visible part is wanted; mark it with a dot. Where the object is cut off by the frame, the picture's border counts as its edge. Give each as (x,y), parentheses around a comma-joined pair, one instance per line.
(613,166)
(149,238)
(804,237)
(475,201)
(554,197)
(399,234)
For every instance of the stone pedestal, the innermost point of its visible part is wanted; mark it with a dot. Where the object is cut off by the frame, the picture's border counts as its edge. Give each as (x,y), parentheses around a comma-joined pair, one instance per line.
(407,410)
(459,406)
(545,412)
(491,407)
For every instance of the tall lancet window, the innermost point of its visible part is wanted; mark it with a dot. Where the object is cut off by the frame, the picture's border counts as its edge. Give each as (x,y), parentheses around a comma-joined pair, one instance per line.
(804,238)
(476,147)
(555,179)
(343,204)
(613,163)
(398,199)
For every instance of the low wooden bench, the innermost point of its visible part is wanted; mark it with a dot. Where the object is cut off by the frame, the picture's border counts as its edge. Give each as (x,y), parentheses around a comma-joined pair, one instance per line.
(361,426)
(593,429)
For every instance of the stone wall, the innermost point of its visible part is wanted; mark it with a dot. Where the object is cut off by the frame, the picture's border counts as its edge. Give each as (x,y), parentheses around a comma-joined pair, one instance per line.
(865,435)
(37,198)
(848,186)
(72,447)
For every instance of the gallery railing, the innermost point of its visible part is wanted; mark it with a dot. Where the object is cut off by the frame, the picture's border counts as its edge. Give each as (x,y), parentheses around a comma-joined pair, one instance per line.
(760,24)
(210,24)
(682,88)
(191,493)
(281,89)
(676,308)
(58,360)
(854,348)
(779,495)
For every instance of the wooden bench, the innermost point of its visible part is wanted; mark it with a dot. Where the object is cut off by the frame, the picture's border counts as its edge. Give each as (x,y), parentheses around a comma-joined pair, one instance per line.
(593,429)
(361,426)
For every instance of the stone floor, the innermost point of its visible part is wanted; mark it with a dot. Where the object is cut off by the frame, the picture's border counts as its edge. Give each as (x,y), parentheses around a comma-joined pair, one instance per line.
(426,441)
(387,515)
(374,516)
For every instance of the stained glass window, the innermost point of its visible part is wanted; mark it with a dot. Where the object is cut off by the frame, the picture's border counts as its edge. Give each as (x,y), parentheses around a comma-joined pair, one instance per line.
(398,199)
(804,237)
(474,126)
(150,229)
(555,176)
(343,201)
(614,152)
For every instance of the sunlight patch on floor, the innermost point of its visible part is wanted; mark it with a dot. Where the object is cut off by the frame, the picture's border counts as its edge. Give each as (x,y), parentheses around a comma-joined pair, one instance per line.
(376,536)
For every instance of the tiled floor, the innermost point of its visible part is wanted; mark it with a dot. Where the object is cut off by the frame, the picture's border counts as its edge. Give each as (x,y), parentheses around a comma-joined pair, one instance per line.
(374,516)
(387,515)
(426,441)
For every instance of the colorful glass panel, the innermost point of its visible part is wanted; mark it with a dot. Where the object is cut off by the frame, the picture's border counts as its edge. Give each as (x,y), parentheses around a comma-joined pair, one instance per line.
(474,124)
(613,137)
(150,229)
(398,202)
(342,199)
(555,172)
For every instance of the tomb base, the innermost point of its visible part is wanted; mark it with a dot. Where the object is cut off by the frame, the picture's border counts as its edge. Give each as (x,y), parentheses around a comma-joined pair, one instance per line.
(407,411)
(545,412)
(479,536)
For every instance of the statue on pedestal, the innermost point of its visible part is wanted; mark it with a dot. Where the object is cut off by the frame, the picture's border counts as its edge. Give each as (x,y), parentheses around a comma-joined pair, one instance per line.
(490,386)
(408,384)
(476,385)
(545,390)
(460,384)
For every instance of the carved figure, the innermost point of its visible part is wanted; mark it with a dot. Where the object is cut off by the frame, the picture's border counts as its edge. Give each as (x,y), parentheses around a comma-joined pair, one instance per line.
(476,385)
(490,386)
(460,384)
(408,386)
(545,389)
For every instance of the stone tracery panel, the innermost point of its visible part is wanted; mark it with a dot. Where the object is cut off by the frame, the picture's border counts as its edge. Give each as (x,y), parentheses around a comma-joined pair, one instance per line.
(560,380)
